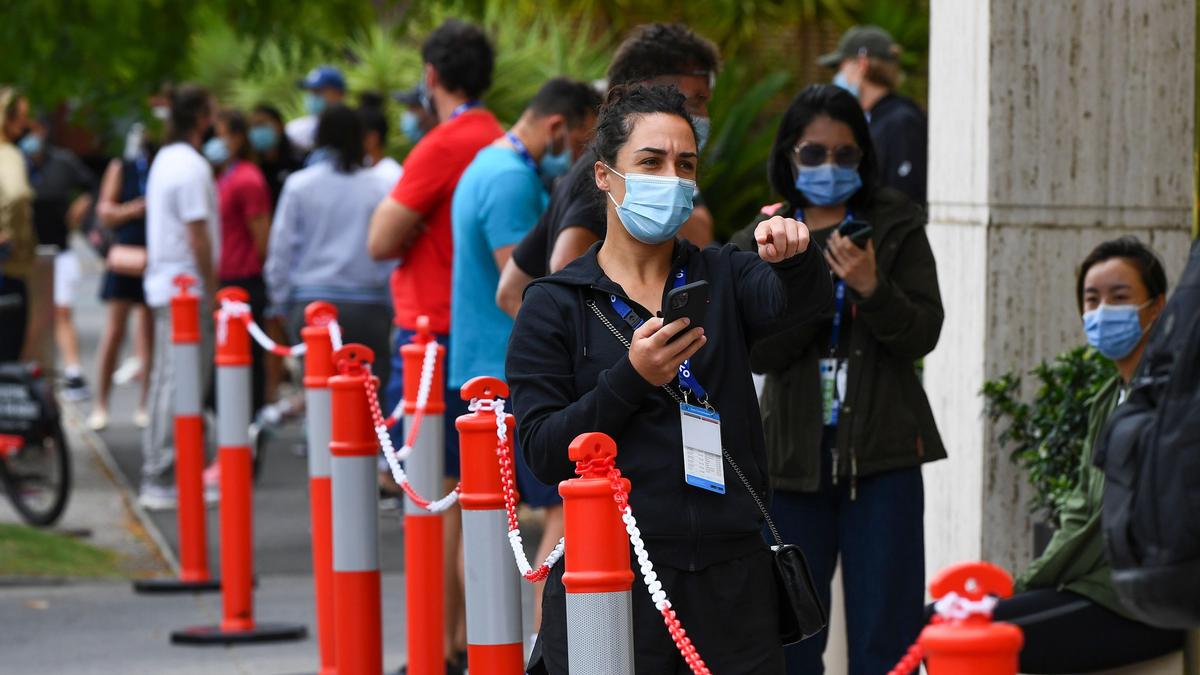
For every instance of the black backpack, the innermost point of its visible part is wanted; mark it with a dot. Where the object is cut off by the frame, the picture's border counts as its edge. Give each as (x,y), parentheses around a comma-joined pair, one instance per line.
(1150,455)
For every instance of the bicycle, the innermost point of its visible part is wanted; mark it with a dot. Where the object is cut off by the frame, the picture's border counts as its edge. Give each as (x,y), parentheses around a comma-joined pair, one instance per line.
(35,462)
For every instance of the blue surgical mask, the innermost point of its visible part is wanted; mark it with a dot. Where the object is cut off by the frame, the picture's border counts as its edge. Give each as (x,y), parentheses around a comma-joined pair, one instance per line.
(828,184)
(654,207)
(263,137)
(410,125)
(703,127)
(554,164)
(30,144)
(314,104)
(841,81)
(1114,330)
(216,151)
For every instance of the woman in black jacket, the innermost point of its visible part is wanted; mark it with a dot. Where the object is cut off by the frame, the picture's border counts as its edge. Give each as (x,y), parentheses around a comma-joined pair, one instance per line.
(571,374)
(847,421)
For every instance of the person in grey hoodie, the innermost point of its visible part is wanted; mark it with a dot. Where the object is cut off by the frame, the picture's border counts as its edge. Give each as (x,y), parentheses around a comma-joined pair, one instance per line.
(318,244)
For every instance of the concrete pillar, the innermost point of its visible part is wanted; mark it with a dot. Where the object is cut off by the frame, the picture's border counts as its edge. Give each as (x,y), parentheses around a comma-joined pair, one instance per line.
(1053,126)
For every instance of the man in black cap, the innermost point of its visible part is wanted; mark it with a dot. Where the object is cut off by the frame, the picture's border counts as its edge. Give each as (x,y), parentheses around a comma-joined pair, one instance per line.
(417,118)
(867,61)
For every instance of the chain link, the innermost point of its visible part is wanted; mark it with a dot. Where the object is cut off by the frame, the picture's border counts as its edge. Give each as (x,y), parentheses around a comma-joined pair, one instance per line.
(241,311)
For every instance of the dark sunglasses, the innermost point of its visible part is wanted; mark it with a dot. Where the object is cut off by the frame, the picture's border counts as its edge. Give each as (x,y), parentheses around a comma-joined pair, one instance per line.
(815,154)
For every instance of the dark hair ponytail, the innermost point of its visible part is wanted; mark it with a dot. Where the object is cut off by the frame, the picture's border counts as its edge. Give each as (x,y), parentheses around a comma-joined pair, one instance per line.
(340,129)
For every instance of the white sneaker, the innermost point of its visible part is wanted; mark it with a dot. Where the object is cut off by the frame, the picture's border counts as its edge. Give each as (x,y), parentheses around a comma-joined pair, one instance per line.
(212,495)
(141,419)
(98,420)
(157,498)
(129,370)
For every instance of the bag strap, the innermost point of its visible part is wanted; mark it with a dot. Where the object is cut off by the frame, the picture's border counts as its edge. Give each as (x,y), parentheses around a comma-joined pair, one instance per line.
(671,392)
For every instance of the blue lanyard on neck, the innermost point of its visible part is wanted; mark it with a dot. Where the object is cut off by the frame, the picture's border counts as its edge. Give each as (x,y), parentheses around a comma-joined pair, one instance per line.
(687,380)
(523,151)
(839,295)
(464,107)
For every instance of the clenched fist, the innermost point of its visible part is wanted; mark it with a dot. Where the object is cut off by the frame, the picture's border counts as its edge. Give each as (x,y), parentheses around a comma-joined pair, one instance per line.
(781,238)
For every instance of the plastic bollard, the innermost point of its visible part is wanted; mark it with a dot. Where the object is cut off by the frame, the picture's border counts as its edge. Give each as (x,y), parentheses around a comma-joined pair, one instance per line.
(424,582)
(194,575)
(598,576)
(318,368)
(493,582)
(973,645)
(358,623)
(237,506)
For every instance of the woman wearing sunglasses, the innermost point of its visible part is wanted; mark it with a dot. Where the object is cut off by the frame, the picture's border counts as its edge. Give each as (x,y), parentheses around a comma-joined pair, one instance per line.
(847,422)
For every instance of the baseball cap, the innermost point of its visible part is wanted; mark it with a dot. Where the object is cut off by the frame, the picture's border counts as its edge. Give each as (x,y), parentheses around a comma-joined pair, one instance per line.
(409,97)
(870,40)
(321,77)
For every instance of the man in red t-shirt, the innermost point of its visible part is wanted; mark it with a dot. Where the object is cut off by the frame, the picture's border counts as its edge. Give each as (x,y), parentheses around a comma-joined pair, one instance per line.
(413,224)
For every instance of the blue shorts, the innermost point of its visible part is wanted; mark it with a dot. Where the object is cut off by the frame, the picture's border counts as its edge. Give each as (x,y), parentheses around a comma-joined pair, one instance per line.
(455,406)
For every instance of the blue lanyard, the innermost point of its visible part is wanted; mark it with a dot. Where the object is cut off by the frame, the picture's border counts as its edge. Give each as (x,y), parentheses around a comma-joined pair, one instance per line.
(687,380)
(522,151)
(464,107)
(143,172)
(839,295)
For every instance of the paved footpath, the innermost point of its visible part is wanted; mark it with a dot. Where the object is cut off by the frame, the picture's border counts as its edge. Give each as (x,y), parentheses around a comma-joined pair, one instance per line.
(71,626)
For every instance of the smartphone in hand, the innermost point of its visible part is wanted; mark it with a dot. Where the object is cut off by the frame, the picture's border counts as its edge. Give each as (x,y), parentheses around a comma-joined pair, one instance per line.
(857,231)
(691,301)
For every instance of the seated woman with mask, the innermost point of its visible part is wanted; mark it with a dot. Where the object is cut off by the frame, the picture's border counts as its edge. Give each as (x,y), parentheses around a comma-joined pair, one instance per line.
(571,372)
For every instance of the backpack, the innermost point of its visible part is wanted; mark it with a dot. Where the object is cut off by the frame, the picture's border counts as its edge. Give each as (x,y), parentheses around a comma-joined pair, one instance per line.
(1150,454)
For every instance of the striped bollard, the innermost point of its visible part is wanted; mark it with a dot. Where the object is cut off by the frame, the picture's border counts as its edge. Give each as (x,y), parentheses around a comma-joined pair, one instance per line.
(493,582)
(318,368)
(598,577)
(358,613)
(194,575)
(237,505)
(422,529)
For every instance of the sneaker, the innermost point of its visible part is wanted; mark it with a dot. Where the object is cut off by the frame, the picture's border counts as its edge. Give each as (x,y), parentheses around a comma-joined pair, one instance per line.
(98,420)
(75,389)
(141,419)
(157,498)
(129,371)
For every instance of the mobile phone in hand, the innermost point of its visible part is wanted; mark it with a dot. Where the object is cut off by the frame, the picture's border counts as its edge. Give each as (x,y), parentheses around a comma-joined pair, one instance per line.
(691,301)
(857,231)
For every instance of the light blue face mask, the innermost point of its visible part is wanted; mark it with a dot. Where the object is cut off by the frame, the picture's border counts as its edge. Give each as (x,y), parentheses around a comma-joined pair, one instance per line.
(30,144)
(654,207)
(263,137)
(216,151)
(828,184)
(410,125)
(703,127)
(1114,330)
(314,104)
(554,164)
(840,80)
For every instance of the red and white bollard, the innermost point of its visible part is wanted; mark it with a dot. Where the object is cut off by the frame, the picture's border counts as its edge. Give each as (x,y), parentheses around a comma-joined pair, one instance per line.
(598,577)
(358,622)
(493,582)
(237,506)
(194,573)
(422,529)
(318,368)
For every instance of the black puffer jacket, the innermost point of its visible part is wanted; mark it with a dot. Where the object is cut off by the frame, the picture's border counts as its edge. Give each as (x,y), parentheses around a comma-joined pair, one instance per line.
(570,375)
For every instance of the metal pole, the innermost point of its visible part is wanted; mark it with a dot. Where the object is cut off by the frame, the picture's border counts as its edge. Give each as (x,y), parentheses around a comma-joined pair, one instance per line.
(358,625)
(598,577)
(493,582)
(318,368)
(422,529)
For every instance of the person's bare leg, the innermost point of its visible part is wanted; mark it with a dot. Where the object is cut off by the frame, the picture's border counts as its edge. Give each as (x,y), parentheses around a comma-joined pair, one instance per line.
(143,343)
(110,344)
(552,532)
(66,338)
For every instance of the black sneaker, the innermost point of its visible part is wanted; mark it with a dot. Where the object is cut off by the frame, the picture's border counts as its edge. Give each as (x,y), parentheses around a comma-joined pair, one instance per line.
(75,388)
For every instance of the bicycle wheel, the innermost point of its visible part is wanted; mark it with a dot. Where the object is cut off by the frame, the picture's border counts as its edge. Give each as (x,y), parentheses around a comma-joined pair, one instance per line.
(37,479)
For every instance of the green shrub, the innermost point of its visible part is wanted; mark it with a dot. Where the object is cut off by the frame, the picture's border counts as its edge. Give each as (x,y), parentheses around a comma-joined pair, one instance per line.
(1046,435)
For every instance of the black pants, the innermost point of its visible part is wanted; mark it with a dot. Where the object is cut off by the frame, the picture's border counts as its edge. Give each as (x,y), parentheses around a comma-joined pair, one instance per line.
(730,611)
(1068,633)
(14,315)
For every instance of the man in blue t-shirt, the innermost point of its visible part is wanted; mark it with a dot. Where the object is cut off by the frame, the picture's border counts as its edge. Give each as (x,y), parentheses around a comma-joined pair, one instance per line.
(498,199)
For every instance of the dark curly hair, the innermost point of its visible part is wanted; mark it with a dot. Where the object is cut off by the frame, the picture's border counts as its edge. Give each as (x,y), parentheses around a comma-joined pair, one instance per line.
(574,100)
(462,55)
(340,130)
(813,101)
(1133,251)
(659,50)
(627,102)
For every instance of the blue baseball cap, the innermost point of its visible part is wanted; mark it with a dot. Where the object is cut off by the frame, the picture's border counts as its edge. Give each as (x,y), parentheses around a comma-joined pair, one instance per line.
(322,77)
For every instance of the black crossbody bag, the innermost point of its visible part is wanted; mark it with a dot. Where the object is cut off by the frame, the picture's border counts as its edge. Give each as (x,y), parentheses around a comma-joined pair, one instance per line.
(801,614)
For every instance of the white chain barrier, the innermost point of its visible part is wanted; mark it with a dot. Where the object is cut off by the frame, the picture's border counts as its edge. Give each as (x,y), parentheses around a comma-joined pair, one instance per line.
(241,312)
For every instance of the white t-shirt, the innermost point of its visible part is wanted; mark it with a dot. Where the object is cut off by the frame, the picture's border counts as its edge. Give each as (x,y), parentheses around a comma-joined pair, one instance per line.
(179,190)
(389,170)
(302,132)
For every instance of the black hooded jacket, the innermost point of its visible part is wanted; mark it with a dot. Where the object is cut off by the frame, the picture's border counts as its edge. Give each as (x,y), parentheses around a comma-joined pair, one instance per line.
(569,375)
